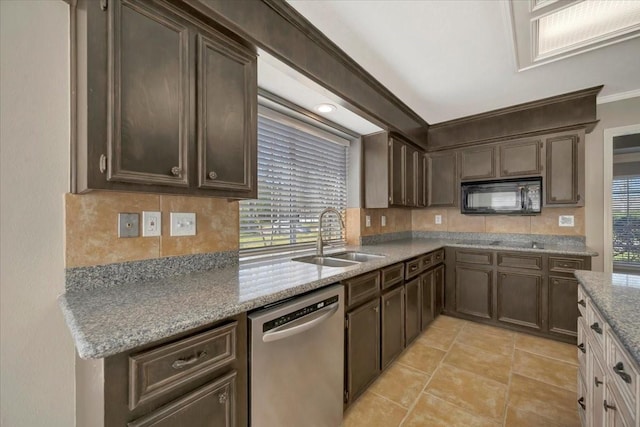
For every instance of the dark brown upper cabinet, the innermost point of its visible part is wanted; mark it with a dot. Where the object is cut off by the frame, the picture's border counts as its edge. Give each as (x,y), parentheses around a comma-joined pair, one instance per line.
(394,172)
(477,163)
(520,158)
(565,170)
(166,104)
(443,179)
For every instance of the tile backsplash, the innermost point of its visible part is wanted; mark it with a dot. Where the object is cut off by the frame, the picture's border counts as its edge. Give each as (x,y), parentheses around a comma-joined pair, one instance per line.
(91,227)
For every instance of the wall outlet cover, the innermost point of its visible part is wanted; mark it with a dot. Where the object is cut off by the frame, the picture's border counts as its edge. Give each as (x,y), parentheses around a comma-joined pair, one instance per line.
(183,224)
(383,220)
(438,219)
(151,224)
(566,220)
(367,221)
(128,224)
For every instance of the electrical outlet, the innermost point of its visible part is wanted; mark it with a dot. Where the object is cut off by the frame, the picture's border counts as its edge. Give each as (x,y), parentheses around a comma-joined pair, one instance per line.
(128,224)
(367,221)
(566,220)
(438,219)
(151,224)
(183,224)
(383,220)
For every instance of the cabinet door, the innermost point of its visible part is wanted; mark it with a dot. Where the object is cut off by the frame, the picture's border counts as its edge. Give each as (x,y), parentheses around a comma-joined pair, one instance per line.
(520,299)
(363,347)
(396,172)
(428,298)
(227,108)
(211,405)
(477,163)
(422,180)
(563,311)
(148,67)
(438,284)
(443,182)
(597,393)
(410,176)
(473,291)
(520,158)
(562,170)
(413,308)
(392,325)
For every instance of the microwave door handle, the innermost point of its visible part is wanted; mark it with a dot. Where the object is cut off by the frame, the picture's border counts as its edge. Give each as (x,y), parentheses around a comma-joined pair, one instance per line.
(522,199)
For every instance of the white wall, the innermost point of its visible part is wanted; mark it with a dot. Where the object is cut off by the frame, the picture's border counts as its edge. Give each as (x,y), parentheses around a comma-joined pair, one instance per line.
(611,115)
(36,351)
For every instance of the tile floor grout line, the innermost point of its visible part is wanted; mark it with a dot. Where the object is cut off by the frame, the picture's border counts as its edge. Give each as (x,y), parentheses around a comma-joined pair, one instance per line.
(508,396)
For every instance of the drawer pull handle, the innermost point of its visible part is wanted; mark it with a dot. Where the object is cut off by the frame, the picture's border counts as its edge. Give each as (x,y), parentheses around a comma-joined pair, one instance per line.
(376,309)
(619,369)
(607,406)
(597,381)
(222,398)
(582,303)
(581,403)
(181,363)
(413,268)
(596,327)
(581,348)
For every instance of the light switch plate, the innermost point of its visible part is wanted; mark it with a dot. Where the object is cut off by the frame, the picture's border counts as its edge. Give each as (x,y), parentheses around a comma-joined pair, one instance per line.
(367,221)
(566,220)
(383,220)
(151,224)
(183,224)
(128,224)
(438,219)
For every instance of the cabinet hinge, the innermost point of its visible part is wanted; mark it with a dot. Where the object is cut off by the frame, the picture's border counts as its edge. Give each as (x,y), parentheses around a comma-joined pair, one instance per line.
(103,163)
(104,4)
(346,396)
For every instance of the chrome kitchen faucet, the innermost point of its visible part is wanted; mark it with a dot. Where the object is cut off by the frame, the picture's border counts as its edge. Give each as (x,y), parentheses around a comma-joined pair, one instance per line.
(319,243)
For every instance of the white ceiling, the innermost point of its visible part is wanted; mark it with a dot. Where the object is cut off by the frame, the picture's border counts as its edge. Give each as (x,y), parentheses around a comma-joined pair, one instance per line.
(451,58)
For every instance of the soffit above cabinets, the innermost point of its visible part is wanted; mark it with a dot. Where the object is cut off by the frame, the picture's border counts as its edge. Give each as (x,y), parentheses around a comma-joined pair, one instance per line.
(451,59)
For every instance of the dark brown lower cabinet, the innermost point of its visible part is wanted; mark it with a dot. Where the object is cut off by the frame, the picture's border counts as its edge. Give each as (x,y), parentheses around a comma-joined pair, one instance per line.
(392,325)
(519,299)
(474,291)
(438,285)
(363,348)
(412,309)
(563,313)
(211,405)
(427,298)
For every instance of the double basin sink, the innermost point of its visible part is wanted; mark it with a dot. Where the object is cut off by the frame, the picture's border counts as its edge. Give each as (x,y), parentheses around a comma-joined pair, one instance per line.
(340,259)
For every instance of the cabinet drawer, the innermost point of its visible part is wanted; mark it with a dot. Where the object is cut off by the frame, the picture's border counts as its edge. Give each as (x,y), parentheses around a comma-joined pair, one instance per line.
(155,372)
(582,302)
(426,261)
(362,288)
(438,256)
(473,257)
(565,265)
(412,268)
(214,402)
(596,329)
(622,370)
(392,275)
(513,260)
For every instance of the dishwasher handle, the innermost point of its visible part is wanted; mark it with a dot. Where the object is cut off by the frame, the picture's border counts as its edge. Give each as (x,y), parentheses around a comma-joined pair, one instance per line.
(286,331)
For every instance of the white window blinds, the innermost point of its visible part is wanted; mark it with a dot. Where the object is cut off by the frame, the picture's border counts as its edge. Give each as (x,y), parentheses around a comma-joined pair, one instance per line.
(299,174)
(625,202)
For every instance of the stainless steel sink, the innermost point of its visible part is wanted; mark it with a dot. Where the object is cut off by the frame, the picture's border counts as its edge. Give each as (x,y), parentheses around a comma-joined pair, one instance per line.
(356,256)
(326,261)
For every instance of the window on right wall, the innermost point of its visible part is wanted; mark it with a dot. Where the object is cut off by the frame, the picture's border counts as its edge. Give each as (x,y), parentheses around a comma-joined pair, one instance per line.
(625,210)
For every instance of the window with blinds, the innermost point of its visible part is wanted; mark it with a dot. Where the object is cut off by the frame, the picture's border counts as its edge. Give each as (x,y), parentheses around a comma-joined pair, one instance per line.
(625,202)
(300,173)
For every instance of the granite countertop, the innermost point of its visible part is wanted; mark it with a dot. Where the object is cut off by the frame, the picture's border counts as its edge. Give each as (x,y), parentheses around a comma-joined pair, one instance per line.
(113,319)
(617,297)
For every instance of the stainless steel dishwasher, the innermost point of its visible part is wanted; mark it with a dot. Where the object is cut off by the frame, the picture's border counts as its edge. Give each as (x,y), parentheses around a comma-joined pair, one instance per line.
(297,361)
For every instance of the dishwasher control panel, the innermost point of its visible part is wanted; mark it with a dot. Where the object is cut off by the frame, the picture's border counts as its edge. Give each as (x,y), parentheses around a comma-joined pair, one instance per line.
(294,315)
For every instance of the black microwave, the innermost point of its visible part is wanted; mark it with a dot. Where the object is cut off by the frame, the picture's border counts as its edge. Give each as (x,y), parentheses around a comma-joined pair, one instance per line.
(502,197)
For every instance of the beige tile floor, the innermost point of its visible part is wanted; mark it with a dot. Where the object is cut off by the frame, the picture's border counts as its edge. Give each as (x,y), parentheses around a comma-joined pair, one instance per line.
(459,373)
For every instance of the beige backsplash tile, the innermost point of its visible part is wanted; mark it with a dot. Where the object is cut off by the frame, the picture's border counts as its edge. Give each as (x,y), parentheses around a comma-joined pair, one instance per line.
(508,224)
(425,219)
(91,227)
(217,225)
(352,224)
(547,222)
(467,223)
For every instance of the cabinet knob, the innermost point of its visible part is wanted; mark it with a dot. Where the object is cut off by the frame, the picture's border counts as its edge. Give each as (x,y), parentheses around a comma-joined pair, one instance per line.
(607,406)
(222,397)
(582,303)
(619,369)
(376,309)
(103,163)
(581,348)
(581,403)
(596,327)
(597,381)
(213,175)
(176,171)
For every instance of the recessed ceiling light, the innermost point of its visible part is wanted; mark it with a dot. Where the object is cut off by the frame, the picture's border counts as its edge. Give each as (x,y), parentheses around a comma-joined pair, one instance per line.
(325,108)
